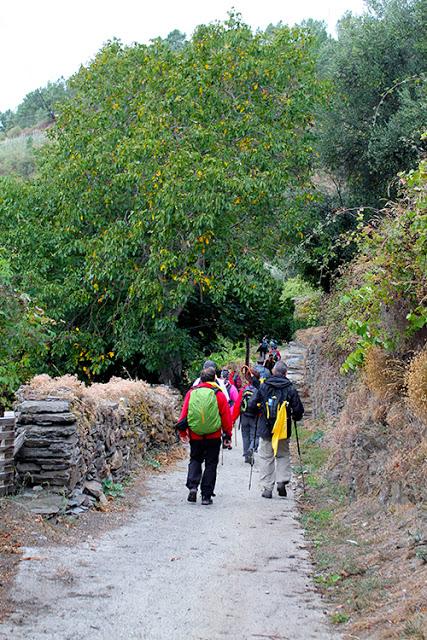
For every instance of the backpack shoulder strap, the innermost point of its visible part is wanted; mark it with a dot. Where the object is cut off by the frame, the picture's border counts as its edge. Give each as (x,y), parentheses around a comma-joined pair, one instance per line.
(215,387)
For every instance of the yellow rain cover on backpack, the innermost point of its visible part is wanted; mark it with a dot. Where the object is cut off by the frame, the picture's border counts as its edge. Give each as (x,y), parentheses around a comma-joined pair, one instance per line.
(280,427)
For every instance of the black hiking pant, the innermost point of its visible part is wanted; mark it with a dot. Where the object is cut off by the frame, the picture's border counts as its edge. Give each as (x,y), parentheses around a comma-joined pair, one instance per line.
(203,451)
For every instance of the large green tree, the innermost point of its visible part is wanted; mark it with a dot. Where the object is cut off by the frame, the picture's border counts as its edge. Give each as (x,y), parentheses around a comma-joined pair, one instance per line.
(172,176)
(377,66)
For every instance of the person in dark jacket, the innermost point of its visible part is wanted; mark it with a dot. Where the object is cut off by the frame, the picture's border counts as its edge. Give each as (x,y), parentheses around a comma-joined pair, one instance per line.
(263,348)
(275,469)
(269,363)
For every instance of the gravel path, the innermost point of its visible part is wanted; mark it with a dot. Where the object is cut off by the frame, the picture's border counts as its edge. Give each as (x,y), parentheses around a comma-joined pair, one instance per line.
(178,571)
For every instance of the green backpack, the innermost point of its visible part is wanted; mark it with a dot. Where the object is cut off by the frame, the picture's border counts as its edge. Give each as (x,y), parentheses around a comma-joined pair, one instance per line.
(203,413)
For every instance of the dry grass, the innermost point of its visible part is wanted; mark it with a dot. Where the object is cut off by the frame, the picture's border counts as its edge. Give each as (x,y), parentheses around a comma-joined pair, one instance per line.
(154,408)
(383,373)
(65,387)
(160,401)
(416,383)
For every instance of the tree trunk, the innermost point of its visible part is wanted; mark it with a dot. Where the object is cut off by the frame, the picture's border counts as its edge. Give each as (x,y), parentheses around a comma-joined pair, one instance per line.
(248,348)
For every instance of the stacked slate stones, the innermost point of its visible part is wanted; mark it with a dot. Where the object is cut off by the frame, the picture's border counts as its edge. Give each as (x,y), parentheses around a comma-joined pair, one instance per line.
(294,354)
(50,455)
(80,438)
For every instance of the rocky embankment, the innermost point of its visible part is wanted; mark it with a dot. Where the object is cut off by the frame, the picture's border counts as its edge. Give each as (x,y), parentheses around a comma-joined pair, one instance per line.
(365,452)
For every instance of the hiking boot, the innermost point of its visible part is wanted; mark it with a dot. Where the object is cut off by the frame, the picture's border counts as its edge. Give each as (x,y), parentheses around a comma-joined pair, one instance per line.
(281,489)
(206,500)
(267,493)
(192,495)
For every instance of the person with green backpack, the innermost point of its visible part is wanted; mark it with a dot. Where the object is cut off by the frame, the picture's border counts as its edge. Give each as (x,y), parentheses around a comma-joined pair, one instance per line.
(205,419)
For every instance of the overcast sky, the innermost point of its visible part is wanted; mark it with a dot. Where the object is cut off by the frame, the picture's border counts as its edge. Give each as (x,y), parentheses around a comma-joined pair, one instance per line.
(41,40)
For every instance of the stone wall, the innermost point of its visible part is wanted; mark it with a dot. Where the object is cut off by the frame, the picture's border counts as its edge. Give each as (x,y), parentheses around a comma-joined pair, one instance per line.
(51,453)
(76,434)
(327,387)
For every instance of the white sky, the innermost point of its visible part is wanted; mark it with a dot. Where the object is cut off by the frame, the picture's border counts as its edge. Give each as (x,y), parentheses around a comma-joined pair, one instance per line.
(41,40)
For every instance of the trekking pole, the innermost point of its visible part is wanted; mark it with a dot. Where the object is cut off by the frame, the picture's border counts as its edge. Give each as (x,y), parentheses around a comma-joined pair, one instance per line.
(300,459)
(253,456)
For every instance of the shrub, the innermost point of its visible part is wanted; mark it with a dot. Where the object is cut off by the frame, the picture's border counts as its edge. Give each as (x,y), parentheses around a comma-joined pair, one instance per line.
(383,373)
(24,334)
(381,299)
(14,132)
(416,382)
(305,298)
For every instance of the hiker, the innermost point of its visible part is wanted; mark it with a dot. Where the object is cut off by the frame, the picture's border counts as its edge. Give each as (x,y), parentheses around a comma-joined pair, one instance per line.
(263,348)
(205,417)
(268,401)
(211,364)
(275,353)
(270,362)
(233,394)
(236,380)
(247,417)
(263,371)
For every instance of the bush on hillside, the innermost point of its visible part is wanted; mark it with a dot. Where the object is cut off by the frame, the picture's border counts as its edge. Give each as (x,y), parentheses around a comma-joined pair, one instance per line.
(305,299)
(383,373)
(381,298)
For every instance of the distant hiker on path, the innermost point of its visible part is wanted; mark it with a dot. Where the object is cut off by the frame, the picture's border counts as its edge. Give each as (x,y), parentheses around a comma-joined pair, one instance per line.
(268,401)
(270,362)
(206,414)
(275,353)
(263,348)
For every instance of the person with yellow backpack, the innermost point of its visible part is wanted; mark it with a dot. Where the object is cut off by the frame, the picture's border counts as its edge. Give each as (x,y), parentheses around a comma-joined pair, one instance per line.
(277,403)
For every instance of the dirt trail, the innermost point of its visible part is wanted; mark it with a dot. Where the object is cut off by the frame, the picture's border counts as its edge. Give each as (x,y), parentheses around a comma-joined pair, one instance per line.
(237,569)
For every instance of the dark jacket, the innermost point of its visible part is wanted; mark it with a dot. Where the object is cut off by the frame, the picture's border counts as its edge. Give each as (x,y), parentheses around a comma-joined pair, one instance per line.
(275,383)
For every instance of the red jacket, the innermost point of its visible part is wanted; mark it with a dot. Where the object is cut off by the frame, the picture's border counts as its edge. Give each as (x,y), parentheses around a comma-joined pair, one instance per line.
(224,412)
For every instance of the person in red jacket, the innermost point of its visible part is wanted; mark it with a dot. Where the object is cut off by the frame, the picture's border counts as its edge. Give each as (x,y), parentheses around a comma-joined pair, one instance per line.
(206,413)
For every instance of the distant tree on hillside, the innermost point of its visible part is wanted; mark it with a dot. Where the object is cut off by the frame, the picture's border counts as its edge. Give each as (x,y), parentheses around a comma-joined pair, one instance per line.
(7,120)
(176,40)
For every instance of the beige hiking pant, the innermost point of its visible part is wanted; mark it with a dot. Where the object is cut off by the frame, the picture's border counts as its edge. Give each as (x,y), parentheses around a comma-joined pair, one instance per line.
(274,469)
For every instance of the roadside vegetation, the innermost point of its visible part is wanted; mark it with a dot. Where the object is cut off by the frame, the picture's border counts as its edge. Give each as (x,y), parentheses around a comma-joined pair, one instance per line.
(172,199)
(152,230)
(370,556)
